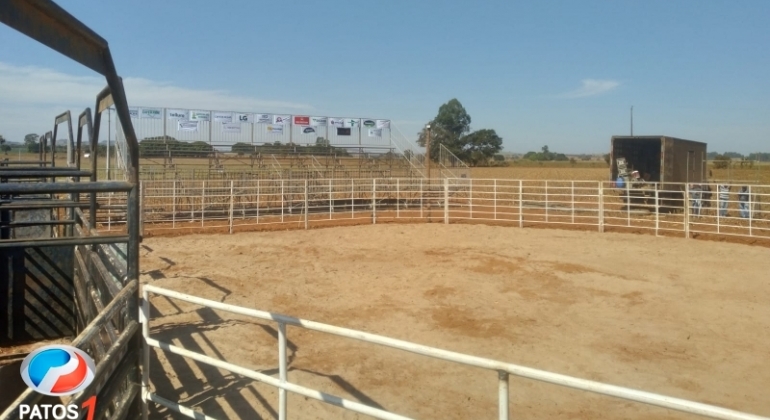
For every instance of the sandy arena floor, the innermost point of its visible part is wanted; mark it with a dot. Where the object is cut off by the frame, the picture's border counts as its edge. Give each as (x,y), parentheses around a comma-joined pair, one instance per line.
(679,317)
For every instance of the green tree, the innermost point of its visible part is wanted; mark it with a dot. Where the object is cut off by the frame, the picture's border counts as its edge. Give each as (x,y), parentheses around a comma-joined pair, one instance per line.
(452,128)
(4,147)
(479,146)
(408,154)
(242,148)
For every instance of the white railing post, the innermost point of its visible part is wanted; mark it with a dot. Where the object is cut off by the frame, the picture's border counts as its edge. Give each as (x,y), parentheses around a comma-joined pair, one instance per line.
(398,199)
(657,210)
(601,207)
(352,199)
(503,394)
(628,204)
(446,201)
(494,198)
(331,205)
(282,370)
(232,204)
(306,209)
(258,193)
(572,200)
(546,201)
(203,200)
(282,200)
(750,210)
(470,197)
(173,205)
(687,210)
(422,193)
(521,205)
(144,318)
(374,201)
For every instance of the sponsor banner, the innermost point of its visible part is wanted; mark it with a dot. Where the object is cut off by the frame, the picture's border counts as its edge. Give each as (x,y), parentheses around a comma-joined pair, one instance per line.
(244,118)
(223,117)
(186,125)
(308,130)
(383,123)
(264,118)
(281,119)
(275,129)
(336,122)
(200,116)
(341,131)
(351,122)
(133,112)
(155,113)
(231,127)
(375,132)
(318,121)
(301,120)
(368,123)
(176,114)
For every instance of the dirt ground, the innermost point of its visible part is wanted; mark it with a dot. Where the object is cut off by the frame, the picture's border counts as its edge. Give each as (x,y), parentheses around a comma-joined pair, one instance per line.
(672,316)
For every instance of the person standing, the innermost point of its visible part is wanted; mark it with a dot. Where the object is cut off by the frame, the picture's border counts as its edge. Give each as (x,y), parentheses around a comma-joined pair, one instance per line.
(695,199)
(743,202)
(724,197)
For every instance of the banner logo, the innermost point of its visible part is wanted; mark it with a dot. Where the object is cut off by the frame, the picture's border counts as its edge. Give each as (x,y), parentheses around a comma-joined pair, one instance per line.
(58,370)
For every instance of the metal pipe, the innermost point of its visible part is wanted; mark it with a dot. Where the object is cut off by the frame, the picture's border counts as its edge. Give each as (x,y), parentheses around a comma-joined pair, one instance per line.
(297,389)
(502,386)
(522,371)
(282,370)
(91,240)
(63,187)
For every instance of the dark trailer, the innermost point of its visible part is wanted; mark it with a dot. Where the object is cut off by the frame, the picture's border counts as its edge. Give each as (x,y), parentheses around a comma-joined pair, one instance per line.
(665,159)
(665,164)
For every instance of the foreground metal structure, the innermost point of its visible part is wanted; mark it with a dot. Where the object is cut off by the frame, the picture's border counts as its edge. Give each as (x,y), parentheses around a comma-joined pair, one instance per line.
(504,370)
(61,278)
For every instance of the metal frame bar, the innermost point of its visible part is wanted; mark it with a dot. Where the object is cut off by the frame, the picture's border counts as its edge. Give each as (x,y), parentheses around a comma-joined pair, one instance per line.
(503,369)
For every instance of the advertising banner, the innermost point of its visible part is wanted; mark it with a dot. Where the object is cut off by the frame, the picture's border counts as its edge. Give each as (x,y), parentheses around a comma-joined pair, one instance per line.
(200,116)
(154,113)
(176,114)
(223,117)
(186,125)
(231,127)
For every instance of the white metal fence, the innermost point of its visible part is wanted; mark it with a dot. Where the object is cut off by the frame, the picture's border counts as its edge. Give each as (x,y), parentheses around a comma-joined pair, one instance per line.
(669,209)
(503,369)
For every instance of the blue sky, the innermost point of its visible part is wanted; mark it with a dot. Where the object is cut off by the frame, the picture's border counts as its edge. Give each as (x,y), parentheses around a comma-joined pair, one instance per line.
(561,73)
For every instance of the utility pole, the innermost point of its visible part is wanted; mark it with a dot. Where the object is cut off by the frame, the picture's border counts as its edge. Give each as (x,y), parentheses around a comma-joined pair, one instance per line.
(632,121)
(427,151)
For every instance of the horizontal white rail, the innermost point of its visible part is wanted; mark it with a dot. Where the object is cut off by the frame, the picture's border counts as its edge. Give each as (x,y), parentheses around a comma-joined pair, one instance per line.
(501,367)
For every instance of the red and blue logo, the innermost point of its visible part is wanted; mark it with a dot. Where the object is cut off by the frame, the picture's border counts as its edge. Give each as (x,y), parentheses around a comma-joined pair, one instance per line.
(58,370)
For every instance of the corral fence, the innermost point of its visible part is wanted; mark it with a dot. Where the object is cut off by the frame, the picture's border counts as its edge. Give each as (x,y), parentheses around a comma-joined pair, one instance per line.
(661,209)
(503,370)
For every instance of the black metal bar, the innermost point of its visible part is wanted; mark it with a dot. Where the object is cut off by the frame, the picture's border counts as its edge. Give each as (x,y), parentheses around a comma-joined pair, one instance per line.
(39,223)
(38,205)
(19,292)
(38,174)
(46,170)
(24,162)
(90,240)
(64,187)
(52,26)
